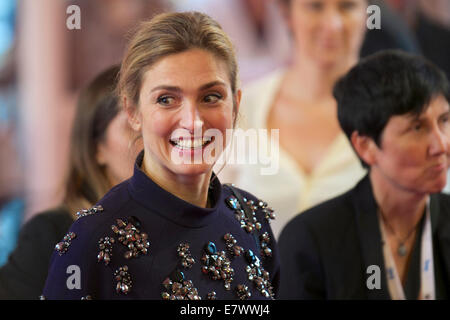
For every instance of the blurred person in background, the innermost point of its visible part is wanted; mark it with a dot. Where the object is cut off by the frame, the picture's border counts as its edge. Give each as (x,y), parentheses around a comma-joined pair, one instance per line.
(429,20)
(256,28)
(394,32)
(102,38)
(316,162)
(54,63)
(103,150)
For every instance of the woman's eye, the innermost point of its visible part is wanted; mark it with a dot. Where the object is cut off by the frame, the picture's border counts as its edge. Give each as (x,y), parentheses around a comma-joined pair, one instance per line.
(417,127)
(315,5)
(347,5)
(165,100)
(212,98)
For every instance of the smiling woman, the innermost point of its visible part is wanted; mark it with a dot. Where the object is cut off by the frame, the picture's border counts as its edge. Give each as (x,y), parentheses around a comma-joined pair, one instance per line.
(173,231)
(175,110)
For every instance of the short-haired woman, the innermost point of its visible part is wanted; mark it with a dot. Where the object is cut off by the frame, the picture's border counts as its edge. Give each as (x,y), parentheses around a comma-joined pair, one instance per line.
(388,237)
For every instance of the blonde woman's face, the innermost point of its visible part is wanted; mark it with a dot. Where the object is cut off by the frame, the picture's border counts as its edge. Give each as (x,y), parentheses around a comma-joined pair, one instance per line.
(185,108)
(328,31)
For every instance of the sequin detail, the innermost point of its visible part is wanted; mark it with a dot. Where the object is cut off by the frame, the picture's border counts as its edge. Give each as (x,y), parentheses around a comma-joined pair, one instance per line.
(187,260)
(231,244)
(269,214)
(243,292)
(217,265)
(105,247)
(123,279)
(64,245)
(178,288)
(212,295)
(265,240)
(259,276)
(130,236)
(86,212)
(247,224)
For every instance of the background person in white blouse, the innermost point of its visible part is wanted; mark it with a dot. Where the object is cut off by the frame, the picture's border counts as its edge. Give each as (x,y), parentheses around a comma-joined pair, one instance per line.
(316,162)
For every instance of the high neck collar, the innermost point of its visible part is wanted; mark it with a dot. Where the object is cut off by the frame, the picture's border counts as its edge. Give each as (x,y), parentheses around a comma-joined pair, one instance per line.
(152,196)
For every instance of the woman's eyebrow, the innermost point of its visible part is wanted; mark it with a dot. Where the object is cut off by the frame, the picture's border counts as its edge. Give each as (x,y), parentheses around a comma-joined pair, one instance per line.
(178,89)
(166,87)
(212,84)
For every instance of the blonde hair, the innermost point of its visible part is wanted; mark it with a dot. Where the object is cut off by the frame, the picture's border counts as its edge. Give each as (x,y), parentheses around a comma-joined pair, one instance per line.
(171,33)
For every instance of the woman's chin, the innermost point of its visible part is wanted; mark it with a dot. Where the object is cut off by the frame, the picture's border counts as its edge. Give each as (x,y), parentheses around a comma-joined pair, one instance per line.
(192,170)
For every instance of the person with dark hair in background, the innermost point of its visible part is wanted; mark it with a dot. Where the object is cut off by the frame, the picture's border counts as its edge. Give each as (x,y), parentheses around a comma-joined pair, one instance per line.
(101,157)
(388,237)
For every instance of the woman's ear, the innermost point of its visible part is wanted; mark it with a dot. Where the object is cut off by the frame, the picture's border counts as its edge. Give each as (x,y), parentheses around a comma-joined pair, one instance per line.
(100,155)
(133,115)
(238,103)
(365,147)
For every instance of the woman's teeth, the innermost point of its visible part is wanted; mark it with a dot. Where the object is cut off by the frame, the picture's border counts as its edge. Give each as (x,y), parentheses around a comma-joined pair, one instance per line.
(191,143)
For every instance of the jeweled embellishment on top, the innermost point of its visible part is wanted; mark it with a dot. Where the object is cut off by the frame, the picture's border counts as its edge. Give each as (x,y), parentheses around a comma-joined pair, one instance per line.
(259,276)
(269,214)
(233,249)
(247,224)
(265,240)
(178,288)
(123,278)
(233,203)
(130,236)
(64,245)
(212,295)
(254,223)
(187,260)
(217,265)
(105,246)
(243,292)
(87,212)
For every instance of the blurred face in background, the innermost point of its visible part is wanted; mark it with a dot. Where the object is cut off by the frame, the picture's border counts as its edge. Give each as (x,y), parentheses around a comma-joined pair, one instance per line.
(117,151)
(328,32)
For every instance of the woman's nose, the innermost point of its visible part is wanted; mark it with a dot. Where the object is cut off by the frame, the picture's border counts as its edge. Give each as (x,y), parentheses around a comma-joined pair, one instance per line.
(439,142)
(332,20)
(191,119)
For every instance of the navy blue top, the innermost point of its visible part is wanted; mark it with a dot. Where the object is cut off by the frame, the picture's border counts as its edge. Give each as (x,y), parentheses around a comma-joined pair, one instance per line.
(142,242)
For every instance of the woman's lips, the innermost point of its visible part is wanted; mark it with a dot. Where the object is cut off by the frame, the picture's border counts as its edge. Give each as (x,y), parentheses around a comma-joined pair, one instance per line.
(439,167)
(184,143)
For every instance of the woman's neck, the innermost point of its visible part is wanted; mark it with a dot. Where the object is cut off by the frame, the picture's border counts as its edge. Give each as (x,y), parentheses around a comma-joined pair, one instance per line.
(401,208)
(190,188)
(312,82)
